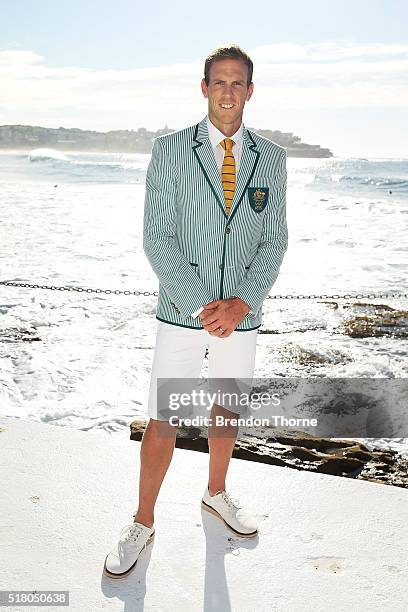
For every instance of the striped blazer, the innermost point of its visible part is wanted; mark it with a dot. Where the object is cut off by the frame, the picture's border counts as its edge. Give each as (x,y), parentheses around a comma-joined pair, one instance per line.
(198,253)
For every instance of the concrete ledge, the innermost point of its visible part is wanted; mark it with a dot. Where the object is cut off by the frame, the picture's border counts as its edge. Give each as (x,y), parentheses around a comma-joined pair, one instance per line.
(325,543)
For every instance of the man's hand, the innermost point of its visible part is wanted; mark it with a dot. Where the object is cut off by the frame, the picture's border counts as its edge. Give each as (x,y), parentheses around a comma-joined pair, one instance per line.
(226,314)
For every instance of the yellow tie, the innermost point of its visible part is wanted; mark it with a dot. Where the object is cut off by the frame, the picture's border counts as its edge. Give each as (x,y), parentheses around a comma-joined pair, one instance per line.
(228,173)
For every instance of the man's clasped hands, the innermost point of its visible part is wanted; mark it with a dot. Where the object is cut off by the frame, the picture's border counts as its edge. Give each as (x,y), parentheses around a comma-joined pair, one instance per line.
(221,317)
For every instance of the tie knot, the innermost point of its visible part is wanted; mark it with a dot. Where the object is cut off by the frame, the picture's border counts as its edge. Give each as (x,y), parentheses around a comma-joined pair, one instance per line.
(227,144)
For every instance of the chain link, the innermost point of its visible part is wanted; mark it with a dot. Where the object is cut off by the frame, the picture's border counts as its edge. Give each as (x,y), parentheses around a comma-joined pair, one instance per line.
(80,289)
(335,296)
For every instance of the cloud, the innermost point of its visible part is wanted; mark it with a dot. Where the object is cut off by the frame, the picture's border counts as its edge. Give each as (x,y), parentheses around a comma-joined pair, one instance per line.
(327,75)
(327,52)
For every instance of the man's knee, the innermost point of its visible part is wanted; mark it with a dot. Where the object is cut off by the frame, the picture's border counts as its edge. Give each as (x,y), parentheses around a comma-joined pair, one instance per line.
(163,428)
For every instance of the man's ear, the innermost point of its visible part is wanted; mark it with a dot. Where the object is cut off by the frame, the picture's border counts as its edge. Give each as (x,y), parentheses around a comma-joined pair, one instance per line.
(204,88)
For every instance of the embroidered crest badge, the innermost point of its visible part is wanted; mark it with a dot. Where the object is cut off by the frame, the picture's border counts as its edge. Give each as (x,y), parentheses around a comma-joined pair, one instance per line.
(258,198)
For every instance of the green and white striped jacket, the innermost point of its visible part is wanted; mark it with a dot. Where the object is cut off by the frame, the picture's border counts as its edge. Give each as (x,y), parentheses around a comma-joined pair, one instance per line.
(198,252)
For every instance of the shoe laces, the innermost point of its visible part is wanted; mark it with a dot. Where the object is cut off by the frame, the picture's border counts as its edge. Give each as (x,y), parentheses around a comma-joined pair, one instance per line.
(130,534)
(232,502)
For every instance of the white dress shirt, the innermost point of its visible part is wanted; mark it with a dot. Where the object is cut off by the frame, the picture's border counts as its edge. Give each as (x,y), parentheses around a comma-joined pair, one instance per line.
(216,136)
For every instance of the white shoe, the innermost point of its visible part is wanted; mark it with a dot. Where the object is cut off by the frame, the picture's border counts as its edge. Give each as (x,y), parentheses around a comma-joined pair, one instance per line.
(123,558)
(229,510)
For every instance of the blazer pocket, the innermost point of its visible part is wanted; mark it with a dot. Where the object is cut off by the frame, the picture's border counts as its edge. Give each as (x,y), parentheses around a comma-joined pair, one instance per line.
(196,268)
(175,307)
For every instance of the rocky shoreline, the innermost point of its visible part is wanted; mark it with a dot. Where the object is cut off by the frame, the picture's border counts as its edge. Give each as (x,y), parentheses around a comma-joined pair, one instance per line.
(127,141)
(300,451)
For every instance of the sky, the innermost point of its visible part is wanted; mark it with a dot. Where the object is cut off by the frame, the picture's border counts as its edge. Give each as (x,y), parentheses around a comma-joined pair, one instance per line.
(333,73)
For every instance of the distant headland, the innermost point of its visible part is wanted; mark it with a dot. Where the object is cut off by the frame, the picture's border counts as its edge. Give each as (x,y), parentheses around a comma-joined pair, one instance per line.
(126,141)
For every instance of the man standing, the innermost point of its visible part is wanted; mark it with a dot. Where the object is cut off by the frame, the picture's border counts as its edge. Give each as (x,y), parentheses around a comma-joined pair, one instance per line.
(215,234)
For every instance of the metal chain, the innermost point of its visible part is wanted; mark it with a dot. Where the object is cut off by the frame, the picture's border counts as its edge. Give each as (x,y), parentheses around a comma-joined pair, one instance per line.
(80,289)
(335,296)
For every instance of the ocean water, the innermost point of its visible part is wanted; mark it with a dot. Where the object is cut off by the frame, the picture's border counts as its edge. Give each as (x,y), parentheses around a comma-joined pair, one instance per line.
(75,219)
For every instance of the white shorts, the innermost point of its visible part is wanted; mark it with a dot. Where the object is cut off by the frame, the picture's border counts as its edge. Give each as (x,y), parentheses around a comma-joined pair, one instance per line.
(180,351)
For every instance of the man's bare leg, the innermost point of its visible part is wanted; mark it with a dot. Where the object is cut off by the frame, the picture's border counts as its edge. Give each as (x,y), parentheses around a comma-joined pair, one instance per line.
(156,452)
(221,442)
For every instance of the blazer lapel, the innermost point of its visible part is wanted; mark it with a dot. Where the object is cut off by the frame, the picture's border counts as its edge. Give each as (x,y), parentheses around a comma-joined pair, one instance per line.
(248,163)
(205,156)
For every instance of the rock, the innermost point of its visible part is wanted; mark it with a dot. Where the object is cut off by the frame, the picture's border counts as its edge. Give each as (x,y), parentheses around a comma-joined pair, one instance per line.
(393,324)
(300,355)
(373,320)
(15,334)
(300,451)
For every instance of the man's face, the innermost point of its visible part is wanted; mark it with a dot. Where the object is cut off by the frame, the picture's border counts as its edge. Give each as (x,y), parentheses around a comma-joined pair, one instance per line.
(227,85)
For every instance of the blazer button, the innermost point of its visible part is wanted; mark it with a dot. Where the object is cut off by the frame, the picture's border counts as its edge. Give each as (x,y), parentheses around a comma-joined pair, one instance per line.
(220,266)
(227,230)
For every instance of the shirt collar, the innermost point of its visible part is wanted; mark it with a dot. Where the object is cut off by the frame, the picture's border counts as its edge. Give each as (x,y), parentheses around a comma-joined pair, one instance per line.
(216,135)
